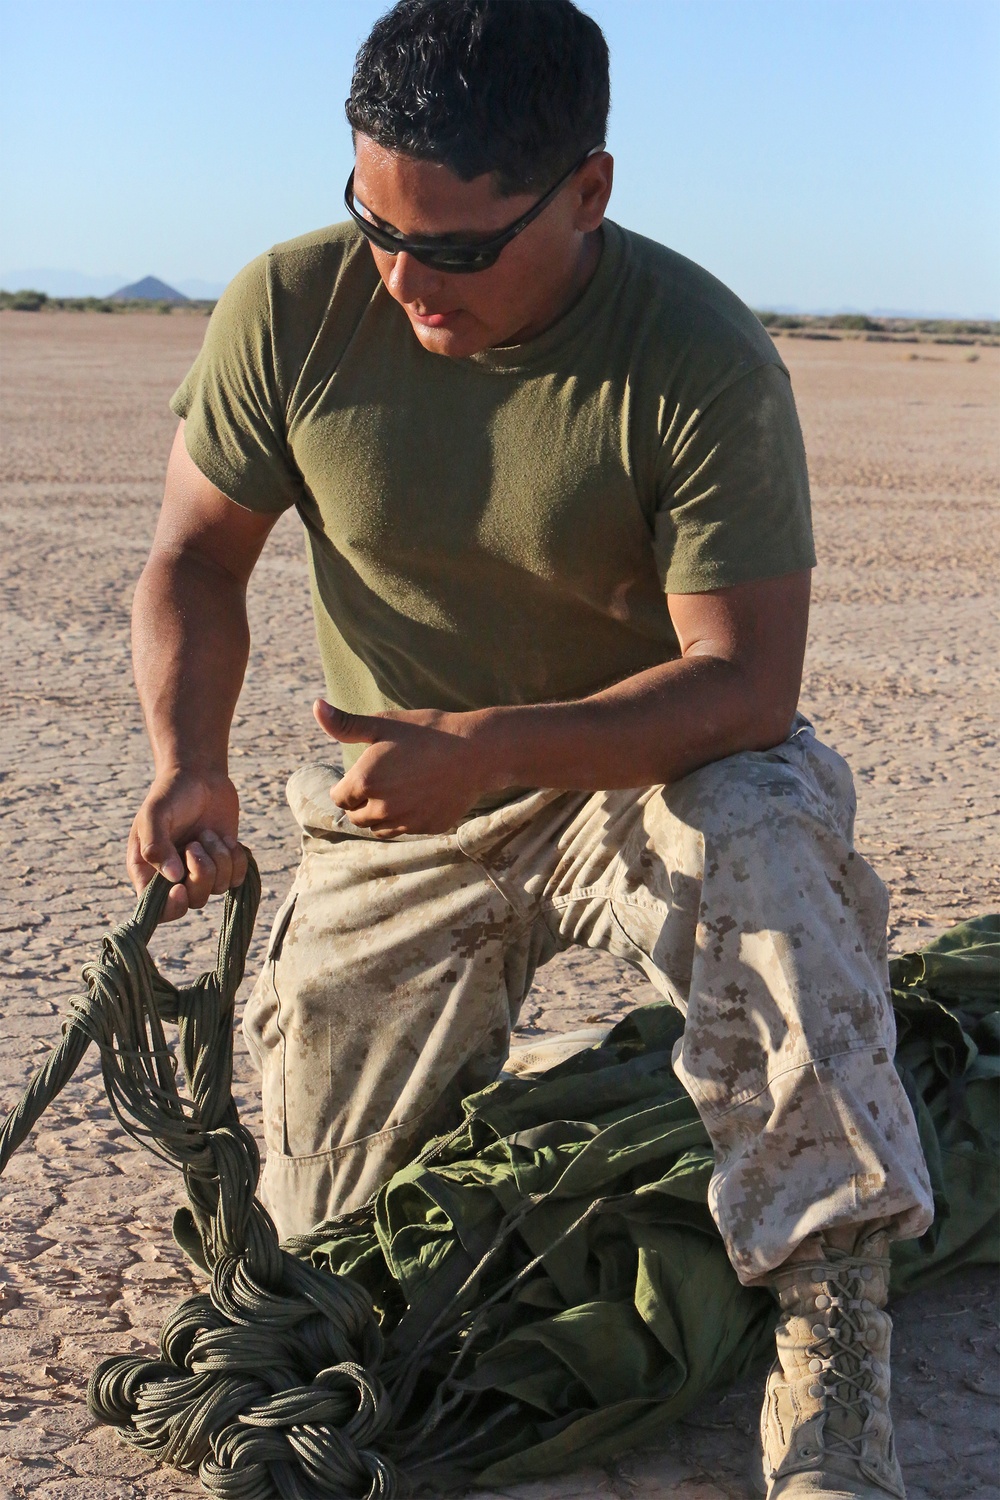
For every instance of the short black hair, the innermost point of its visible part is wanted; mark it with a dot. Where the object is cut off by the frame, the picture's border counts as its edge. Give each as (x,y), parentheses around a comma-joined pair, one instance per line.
(518,88)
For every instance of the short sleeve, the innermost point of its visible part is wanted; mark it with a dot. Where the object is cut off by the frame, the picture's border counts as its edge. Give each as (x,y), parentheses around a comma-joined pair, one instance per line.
(733,489)
(230,400)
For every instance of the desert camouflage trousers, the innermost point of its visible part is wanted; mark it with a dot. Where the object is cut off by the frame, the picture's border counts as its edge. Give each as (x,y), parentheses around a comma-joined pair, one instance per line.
(396,969)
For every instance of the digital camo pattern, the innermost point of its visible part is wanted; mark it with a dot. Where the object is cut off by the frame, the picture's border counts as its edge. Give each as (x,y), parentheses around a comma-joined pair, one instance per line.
(397,968)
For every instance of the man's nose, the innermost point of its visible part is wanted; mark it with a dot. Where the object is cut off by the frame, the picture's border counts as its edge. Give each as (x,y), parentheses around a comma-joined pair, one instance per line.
(409,281)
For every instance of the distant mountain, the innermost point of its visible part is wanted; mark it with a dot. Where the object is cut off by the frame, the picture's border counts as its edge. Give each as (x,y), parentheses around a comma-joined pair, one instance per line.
(149,289)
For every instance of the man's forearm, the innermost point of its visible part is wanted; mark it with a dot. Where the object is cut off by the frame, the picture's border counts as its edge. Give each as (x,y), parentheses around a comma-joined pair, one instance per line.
(650,729)
(734,687)
(190,642)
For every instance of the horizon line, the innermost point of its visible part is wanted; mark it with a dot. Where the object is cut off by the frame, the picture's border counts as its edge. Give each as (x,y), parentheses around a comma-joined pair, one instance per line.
(40,274)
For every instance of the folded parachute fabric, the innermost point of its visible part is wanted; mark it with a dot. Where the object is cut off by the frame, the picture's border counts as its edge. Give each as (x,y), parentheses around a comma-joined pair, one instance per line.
(947,1003)
(550,1280)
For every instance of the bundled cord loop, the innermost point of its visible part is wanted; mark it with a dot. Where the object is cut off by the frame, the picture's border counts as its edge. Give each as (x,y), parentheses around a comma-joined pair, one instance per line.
(267,1386)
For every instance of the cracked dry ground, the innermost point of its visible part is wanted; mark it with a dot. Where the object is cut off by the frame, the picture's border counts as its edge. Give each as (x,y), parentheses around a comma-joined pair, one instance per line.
(902,677)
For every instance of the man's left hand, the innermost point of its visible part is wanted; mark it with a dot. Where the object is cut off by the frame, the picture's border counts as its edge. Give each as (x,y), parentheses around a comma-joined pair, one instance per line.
(421,772)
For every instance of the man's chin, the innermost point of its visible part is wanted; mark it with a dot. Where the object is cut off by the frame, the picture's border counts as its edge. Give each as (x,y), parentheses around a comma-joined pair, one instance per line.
(456,341)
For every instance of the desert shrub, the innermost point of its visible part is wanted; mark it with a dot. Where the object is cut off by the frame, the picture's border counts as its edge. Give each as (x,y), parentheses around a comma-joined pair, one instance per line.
(27,300)
(779,320)
(960,326)
(856,321)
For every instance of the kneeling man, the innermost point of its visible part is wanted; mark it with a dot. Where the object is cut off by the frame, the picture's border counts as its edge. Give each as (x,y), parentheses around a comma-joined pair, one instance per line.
(558,522)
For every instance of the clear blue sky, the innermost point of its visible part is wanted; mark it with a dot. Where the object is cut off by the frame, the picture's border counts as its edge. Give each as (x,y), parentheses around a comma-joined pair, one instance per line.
(813,153)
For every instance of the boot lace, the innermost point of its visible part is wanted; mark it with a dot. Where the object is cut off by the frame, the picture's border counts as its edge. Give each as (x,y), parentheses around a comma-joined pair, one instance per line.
(840,1361)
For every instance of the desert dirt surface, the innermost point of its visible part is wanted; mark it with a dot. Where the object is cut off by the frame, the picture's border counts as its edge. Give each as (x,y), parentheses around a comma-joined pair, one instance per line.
(902,677)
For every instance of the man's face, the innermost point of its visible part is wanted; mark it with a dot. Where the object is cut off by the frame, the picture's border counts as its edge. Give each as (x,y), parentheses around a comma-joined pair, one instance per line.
(537,275)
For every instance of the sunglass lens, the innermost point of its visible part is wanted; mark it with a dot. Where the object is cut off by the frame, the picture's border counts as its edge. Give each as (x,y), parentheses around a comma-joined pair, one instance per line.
(455,261)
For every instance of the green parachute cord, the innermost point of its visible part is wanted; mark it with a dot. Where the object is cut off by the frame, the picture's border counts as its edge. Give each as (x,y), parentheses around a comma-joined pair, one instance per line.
(267,1386)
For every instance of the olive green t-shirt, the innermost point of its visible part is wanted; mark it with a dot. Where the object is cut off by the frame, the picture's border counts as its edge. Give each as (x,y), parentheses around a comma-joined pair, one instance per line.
(504,528)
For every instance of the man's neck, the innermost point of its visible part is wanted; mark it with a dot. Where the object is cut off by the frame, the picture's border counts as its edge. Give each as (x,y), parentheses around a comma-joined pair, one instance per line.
(568,293)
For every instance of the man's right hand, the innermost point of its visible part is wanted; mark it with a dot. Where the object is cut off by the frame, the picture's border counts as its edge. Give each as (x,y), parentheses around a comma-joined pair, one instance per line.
(186,829)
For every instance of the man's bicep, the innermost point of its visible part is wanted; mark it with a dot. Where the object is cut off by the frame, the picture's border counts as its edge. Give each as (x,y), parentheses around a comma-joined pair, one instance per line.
(760,627)
(197,519)
(733,490)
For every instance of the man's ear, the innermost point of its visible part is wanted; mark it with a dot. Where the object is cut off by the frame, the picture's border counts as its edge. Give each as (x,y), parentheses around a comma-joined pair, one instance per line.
(594,182)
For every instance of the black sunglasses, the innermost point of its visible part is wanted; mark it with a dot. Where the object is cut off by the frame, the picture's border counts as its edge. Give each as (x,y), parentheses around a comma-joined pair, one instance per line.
(442,252)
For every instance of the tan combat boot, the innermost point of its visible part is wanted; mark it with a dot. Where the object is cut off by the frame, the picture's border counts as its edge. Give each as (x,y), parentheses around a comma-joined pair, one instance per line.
(825,1428)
